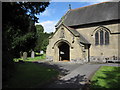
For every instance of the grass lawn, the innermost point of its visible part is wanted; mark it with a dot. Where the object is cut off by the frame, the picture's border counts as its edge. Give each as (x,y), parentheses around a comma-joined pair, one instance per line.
(37,58)
(31,75)
(106,77)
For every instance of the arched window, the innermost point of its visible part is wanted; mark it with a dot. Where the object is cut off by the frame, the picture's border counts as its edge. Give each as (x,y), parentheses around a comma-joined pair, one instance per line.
(101,37)
(106,38)
(96,38)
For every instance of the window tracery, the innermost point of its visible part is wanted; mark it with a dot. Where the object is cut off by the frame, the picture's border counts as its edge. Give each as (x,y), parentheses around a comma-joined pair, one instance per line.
(102,37)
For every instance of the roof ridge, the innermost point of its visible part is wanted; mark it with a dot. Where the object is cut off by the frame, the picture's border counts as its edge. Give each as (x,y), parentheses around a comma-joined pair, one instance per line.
(69,27)
(62,18)
(89,5)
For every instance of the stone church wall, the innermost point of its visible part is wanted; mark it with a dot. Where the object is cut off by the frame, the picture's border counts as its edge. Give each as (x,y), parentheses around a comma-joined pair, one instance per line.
(102,52)
(52,48)
(99,53)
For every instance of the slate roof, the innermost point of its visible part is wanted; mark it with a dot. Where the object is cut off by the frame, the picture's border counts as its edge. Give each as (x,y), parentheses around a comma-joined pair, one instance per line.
(82,40)
(91,14)
(73,31)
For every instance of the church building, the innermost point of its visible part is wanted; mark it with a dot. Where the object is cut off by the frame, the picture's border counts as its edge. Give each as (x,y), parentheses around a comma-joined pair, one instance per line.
(86,34)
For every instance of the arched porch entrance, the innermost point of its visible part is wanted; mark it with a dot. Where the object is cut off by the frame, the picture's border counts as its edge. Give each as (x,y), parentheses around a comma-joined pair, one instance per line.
(64,51)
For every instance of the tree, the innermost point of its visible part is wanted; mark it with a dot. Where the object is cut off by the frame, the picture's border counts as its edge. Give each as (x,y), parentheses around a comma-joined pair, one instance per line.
(45,41)
(18,23)
(44,44)
(19,32)
(40,37)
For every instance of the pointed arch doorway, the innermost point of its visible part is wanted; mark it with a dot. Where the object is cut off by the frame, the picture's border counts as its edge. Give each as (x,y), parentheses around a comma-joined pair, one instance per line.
(64,51)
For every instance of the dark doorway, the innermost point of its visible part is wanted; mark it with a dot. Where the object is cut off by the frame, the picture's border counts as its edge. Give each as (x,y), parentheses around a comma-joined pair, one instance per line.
(64,51)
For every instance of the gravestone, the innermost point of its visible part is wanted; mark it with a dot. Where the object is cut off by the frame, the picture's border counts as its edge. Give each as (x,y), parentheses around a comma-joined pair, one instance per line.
(24,55)
(21,54)
(32,54)
(41,52)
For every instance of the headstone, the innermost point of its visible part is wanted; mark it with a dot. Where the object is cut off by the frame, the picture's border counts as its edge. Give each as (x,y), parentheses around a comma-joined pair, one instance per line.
(32,54)
(21,54)
(24,55)
(41,52)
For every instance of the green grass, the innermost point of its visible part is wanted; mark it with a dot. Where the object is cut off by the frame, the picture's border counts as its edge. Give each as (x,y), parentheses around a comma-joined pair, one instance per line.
(106,77)
(30,75)
(31,59)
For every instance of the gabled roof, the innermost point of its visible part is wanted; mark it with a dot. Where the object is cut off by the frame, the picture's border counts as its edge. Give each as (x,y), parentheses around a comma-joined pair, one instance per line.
(91,14)
(62,19)
(73,31)
(82,40)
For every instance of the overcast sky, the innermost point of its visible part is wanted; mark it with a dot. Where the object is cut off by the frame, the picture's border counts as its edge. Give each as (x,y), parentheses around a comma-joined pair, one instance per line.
(56,10)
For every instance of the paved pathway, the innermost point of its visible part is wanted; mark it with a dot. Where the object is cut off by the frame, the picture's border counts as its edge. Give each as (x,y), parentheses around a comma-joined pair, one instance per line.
(78,75)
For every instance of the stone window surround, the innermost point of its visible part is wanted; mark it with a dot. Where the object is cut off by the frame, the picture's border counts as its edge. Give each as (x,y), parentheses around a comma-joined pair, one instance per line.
(101,34)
